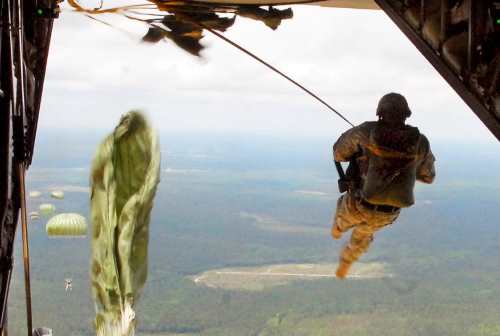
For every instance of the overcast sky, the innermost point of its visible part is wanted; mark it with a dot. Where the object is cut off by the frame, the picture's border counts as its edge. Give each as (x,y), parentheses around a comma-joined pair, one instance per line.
(348,57)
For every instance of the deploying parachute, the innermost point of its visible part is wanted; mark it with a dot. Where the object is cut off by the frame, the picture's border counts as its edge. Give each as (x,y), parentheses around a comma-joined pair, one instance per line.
(67,225)
(124,177)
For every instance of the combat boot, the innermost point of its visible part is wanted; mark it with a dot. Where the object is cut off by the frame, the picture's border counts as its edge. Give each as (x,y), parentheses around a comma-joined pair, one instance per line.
(343,269)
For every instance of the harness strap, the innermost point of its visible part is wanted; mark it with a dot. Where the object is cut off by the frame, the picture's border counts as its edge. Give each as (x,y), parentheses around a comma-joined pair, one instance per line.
(340,170)
(377,207)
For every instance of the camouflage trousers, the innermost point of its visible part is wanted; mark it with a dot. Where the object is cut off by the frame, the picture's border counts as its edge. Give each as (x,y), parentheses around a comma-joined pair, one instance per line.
(351,214)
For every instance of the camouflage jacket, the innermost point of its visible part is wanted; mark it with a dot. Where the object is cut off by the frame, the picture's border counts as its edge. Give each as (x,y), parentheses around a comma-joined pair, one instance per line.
(390,161)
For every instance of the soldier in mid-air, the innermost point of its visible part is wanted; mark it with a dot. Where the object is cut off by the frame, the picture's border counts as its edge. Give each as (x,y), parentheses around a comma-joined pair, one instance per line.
(387,157)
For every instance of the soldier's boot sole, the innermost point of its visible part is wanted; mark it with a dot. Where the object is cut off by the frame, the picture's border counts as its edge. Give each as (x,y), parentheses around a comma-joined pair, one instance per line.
(342,270)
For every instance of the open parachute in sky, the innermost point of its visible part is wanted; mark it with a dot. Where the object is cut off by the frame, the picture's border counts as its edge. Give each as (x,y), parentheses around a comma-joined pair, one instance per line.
(47,209)
(35,194)
(67,225)
(34,215)
(57,194)
(124,177)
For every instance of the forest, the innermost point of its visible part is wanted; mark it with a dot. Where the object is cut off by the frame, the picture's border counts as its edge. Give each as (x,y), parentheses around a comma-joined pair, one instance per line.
(444,252)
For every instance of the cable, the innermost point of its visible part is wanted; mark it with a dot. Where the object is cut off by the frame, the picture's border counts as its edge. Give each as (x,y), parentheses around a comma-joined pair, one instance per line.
(26,251)
(74,4)
(274,69)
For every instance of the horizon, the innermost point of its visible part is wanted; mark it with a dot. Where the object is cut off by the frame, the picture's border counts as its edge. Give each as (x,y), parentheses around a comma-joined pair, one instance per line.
(232,204)
(215,151)
(324,49)
(228,222)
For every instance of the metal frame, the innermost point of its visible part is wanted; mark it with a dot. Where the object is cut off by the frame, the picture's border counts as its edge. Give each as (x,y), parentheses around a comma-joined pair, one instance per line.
(9,199)
(471,34)
(18,130)
(18,125)
(444,21)
(422,15)
(474,102)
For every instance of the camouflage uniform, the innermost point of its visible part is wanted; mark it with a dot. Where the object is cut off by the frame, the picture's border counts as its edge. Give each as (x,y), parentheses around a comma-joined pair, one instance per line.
(351,214)
(390,160)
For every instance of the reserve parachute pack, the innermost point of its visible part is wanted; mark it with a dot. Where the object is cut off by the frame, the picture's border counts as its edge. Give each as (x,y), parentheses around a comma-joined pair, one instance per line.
(349,180)
(392,156)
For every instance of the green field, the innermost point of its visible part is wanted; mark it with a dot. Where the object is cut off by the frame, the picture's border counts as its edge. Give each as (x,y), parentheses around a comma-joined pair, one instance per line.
(271,203)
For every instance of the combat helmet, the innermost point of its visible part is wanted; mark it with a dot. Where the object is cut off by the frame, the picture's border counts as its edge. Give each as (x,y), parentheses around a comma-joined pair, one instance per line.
(393,106)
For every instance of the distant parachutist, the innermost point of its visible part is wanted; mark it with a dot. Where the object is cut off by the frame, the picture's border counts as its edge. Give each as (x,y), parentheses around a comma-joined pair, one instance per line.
(34,215)
(68,284)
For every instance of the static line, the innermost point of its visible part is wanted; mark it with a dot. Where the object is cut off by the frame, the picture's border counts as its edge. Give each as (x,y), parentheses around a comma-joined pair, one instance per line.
(273,69)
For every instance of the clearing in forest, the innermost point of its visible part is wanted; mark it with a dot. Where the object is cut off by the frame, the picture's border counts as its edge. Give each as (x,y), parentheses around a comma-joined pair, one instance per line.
(262,277)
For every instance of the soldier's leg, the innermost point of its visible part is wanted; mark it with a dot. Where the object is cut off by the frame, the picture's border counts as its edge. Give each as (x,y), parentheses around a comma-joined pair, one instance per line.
(346,216)
(362,236)
(360,241)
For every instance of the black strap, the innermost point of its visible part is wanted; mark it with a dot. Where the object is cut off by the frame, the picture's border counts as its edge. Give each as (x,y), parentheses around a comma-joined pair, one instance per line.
(378,207)
(340,170)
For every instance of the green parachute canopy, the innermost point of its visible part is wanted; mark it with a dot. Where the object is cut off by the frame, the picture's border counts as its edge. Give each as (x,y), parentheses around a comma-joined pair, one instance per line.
(57,194)
(47,209)
(67,224)
(35,194)
(124,176)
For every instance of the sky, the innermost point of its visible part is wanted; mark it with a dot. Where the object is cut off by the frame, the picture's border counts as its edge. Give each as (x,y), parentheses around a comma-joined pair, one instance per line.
(350,58)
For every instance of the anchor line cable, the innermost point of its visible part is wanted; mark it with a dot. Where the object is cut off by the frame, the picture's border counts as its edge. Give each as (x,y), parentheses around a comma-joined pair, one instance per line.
(258,59)
(237,46)
(234,44)
(26,251)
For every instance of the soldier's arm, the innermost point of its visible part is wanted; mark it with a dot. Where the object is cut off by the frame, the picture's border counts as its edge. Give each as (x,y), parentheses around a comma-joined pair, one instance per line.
(426,172)
(348,144)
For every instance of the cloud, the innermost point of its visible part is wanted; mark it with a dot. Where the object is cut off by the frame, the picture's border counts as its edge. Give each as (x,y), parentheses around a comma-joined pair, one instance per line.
(348,57)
